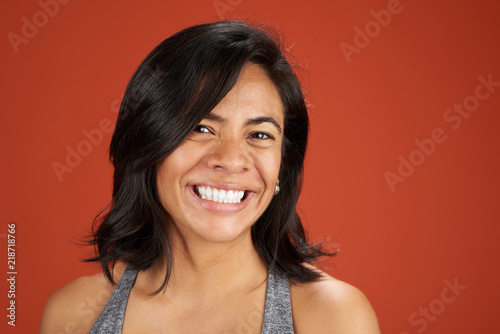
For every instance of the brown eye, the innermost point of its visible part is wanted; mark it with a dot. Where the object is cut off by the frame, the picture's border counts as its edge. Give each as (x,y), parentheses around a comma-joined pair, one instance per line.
(261,136)
(202,129)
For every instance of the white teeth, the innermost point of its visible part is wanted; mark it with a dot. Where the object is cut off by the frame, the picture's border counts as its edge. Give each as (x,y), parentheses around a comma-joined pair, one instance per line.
(220,195)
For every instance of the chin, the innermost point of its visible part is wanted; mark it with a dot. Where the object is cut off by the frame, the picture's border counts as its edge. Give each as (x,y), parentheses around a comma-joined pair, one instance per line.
(222,231)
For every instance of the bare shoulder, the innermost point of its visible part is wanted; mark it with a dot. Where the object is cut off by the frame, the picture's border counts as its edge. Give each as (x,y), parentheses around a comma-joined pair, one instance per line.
(331,306)
(74,307)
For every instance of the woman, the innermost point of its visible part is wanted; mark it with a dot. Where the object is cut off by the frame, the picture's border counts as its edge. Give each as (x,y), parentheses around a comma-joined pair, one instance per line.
(202,234)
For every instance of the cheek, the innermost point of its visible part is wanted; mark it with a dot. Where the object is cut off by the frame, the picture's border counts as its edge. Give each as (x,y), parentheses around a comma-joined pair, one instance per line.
(180,162)
(170,174)
(268,165)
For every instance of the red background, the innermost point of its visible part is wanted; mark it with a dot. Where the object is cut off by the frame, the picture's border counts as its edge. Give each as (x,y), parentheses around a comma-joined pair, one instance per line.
(398,245)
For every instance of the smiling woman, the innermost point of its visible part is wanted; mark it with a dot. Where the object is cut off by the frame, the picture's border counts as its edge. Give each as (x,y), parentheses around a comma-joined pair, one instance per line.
(202,235)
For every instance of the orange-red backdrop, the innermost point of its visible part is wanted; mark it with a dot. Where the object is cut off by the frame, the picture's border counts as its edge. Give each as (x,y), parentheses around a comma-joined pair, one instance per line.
(402,169)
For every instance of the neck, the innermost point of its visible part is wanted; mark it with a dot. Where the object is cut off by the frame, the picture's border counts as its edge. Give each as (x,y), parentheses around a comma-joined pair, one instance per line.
(204,269)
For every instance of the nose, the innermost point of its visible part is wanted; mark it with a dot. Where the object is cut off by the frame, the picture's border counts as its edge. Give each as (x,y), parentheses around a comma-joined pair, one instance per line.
(230,156)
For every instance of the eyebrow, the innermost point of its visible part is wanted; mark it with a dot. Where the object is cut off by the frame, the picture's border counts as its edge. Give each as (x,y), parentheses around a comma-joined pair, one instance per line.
(251,121)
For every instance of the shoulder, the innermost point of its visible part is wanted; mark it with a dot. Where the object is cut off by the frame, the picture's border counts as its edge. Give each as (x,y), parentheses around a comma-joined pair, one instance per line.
(75,306)
(331,306)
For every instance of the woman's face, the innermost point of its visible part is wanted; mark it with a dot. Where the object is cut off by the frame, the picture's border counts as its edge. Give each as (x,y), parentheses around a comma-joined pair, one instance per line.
(222,177)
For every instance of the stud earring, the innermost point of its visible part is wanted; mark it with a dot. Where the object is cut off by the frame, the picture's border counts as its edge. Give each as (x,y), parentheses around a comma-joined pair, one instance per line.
(277,188)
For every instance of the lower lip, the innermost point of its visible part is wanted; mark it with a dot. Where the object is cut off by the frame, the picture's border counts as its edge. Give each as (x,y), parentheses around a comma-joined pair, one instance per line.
(221,207)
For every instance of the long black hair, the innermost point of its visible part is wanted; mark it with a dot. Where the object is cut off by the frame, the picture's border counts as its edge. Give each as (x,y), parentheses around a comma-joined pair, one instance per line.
(173,89)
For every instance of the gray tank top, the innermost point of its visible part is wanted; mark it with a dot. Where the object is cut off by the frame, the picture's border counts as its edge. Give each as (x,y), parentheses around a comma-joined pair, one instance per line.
(277,313)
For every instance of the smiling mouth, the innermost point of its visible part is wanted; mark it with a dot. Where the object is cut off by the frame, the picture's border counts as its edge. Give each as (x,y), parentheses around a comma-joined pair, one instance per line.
(220,195)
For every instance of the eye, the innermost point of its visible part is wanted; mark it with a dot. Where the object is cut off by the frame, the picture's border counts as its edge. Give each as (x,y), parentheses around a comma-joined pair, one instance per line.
(202,129)
(261,136)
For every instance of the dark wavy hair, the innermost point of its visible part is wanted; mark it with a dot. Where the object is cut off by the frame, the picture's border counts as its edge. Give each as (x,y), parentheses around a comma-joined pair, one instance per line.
(174,88)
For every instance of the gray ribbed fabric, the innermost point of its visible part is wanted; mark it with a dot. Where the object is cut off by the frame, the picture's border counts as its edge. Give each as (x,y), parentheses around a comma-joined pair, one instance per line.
(110,320)
(277,313)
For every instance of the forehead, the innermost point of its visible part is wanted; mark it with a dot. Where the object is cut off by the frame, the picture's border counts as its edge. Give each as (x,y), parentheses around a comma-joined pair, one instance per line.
(253,95)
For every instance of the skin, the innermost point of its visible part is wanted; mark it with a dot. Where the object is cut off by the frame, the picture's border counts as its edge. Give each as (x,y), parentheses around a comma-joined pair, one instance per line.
(237,147)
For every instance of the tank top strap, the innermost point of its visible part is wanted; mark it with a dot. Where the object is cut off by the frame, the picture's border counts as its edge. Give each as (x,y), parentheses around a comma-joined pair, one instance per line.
(278,309)
(111,318)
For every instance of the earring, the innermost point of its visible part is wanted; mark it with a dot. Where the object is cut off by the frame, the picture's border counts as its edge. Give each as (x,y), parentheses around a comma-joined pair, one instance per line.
(277,188)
